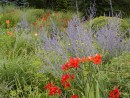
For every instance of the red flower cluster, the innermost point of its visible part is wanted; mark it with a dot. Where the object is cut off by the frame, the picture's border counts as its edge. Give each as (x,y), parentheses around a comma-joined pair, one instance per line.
(97,59)
(65,80)
(114,93)
(73,63)
(53,89)
(84,59)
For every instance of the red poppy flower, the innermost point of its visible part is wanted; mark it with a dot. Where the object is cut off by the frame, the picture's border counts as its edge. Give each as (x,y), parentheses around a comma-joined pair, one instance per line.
(59,92)
(66,66)
(7,22)
(74,62)
(66,84)
(72,76)
(40,26)
(97,59)
(53,89)
(48,86)
(65,80)
(114,93)
(9,33)
(74,96)
(65,77)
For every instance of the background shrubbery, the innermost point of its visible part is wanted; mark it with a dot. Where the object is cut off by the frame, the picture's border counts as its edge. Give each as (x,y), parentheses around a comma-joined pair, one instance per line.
(102,6)
(9,13)
(99,22)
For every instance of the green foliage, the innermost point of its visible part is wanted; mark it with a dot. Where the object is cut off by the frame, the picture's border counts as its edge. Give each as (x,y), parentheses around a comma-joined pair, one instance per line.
(51,4)
(61,5)
(103,6)
(6,42)
(34,14)
(37,3)
(99,22)
(21,73)
(24,44)
(19,67)
(128,20)
(13,16)
(9,8)
(62,18)
(117,74)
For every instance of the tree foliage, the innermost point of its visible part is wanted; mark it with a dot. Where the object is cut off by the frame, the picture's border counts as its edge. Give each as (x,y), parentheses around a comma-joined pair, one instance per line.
(102,6)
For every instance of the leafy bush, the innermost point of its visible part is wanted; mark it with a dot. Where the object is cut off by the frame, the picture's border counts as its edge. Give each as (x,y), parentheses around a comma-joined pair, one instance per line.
(128,20)
(111,38)
(18,43)
(61,5)
(9,8)
(61,19)
(7,43)
(99,22)
(13,16)
(33,15)
(37,3)
(117,73)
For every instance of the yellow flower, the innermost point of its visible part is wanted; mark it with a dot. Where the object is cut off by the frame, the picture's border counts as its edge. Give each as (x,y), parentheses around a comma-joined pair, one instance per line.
(36,34)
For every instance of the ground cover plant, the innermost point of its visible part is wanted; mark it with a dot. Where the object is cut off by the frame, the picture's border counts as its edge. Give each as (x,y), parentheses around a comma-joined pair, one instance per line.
(52,54)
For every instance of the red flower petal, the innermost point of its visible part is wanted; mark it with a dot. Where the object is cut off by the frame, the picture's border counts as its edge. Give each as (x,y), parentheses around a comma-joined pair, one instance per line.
(114,93)
(48,86)
(74,96)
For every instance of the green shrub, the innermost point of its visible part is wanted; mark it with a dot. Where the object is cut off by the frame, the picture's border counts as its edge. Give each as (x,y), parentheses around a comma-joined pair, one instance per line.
(13,16)
(6,43)
(37,3)
(61,5)
(62,18)
(9,8)
(33,15)
(128,20)
(101,21)
(17,43)
(117,73)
